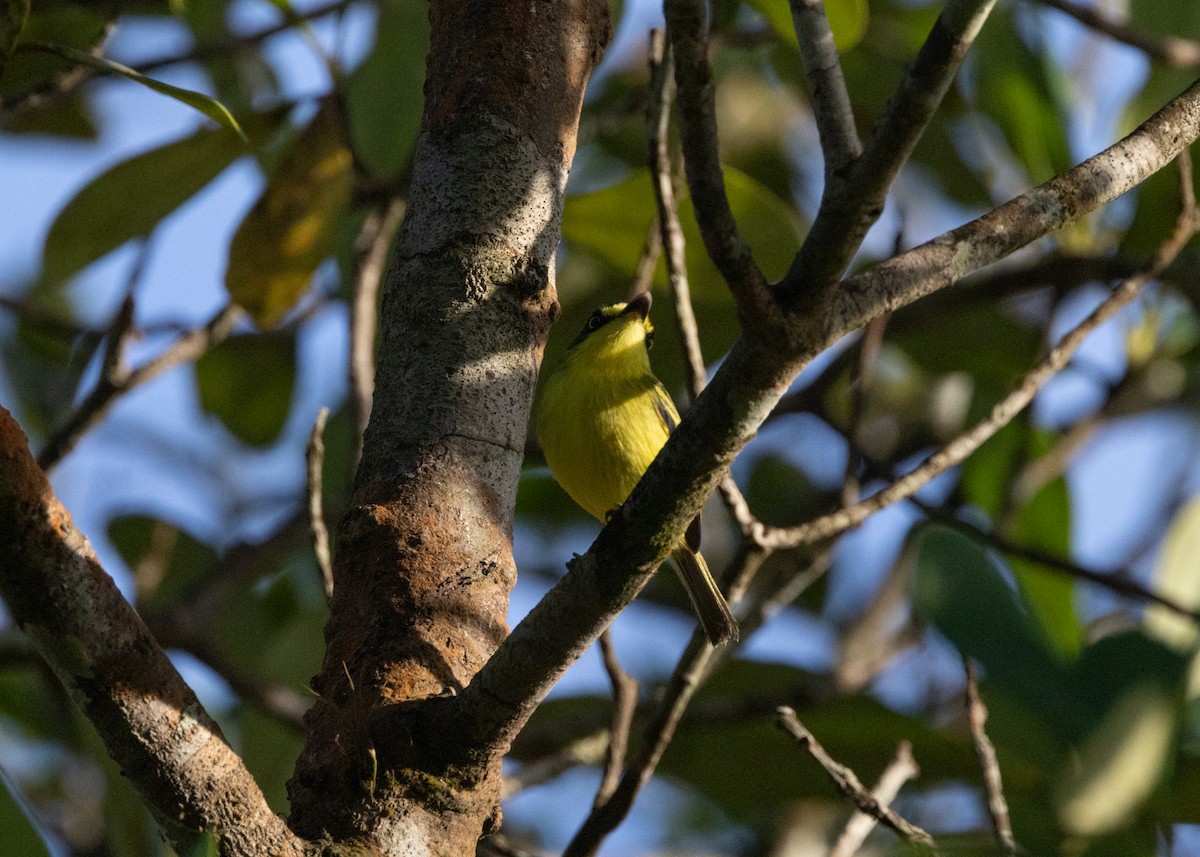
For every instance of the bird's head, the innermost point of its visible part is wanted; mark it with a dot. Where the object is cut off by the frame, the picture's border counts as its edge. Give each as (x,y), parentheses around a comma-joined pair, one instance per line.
(618,333)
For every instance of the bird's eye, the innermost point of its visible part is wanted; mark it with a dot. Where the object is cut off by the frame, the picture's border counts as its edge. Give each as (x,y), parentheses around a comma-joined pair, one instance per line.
(594,322)
(649,340)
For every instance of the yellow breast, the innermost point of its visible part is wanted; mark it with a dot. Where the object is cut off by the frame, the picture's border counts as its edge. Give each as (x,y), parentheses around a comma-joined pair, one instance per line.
(600,431)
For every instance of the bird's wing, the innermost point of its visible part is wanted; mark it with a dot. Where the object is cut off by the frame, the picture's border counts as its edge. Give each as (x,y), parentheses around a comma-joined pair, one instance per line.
(665,407)
(670,418)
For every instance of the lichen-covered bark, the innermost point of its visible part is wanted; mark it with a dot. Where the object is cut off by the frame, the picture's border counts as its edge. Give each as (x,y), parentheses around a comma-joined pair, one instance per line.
(424,563)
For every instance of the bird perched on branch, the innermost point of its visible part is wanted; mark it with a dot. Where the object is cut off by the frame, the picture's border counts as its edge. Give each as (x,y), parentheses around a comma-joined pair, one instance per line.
(602,417)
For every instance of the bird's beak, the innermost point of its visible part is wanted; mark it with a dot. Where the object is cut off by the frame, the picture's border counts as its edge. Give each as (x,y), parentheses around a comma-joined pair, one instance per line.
(639,303)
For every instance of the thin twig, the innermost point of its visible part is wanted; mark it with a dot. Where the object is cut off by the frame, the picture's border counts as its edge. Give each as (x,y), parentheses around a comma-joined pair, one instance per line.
(658,118)
(588,750)
(868,354)
(977,715)
(902,768)
(1003,412)
(685,681)
(830,100)
(625,694)
(188,347)
(1169,50)
(848,783)
(687,31)
(314,460)
(643,276)
(374,239)
(696,663)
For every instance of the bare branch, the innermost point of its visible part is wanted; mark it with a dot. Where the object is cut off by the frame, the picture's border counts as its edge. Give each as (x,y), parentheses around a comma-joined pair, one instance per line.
(685,681)
(314,460)
(687,31)
(1002,413)
(658,118)
(625,694)
(849,784)
(188,347)
(977,714)
(643,277)
(116,672)
(830,100)
(1169,50)
(902,768)
(672,240)
(850,205)
(860,386)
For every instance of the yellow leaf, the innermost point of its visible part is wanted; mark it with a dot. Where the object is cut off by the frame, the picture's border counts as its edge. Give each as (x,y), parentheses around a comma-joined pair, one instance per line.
(291,228)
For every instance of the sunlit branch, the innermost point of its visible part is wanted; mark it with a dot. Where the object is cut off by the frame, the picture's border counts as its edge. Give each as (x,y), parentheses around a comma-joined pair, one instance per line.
(156,730)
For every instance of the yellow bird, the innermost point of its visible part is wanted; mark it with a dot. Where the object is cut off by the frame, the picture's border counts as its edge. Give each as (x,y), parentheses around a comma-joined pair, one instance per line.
(601,419)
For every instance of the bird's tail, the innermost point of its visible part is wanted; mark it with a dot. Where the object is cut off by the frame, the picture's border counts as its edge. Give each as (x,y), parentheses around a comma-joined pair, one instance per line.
(710,606)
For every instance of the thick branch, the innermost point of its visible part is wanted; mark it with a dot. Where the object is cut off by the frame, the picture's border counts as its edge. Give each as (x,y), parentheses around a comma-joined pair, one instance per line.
(424,562)
(149,719)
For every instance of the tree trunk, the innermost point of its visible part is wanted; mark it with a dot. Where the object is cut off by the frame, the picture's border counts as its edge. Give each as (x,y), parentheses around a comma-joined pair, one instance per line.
(424,563)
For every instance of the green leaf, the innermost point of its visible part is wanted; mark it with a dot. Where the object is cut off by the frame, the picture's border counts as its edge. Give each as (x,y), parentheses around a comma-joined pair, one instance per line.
(206,846)
(1176,577)
(987,474)
(781,494)
(247,381)
(210,107)
(21,836)
(384,95)
(1045,523)
(292,227)
(71,24)
(544,503)
(612,223)
(847,18)
(982,339)
(116,206)
(959,590)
